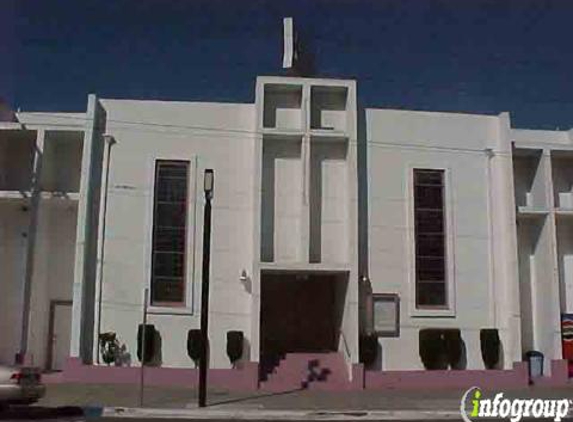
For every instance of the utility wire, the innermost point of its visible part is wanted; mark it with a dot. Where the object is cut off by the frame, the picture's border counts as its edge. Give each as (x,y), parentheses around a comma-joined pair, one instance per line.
(222,131)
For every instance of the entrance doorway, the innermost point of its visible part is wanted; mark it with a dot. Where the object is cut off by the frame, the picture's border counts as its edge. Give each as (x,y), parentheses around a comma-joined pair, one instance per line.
(59,331)
(300,313)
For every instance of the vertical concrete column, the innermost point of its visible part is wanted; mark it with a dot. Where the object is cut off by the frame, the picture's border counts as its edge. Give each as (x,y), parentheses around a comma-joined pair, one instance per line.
(305,208)
(106,161)
(306,177)
(23,355)
(81,343)
(351,325)
(551,330)
(505,292)
(255,276)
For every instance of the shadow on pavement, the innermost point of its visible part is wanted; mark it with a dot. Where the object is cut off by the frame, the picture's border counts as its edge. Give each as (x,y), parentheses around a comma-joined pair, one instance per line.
(258,396)
(38,412)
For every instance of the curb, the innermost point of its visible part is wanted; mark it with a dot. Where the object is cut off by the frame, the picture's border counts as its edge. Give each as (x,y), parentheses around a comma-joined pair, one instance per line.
(288,415)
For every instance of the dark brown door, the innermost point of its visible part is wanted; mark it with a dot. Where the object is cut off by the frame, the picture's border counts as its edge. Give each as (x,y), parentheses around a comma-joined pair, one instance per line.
(297,314)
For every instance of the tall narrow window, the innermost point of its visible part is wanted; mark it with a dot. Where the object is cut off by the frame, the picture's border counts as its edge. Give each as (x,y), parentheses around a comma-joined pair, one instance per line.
(169,233)
(430,237)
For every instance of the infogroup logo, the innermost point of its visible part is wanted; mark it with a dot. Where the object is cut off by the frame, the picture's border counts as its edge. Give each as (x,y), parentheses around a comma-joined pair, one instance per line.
(474,406)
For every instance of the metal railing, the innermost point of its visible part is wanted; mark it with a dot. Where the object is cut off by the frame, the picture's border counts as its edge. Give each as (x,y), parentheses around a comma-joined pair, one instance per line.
(345,343)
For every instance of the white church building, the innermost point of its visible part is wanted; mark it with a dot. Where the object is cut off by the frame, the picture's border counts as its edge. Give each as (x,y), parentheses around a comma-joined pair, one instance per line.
(353,248)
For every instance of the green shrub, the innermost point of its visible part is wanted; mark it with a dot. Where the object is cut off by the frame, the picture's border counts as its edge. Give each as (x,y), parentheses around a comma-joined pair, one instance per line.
(235,341)
(194,341)
(146,347)
(432,348)
(490,347)
(368,349)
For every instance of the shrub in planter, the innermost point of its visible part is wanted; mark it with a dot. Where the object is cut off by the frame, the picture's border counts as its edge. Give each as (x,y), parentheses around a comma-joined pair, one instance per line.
(453,345)
(490,347)
(432,348)
(149,346)
(368,349)
(234,345)
(194,345)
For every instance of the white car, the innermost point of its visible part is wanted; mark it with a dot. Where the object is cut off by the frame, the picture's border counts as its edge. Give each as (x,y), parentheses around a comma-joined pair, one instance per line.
(20,385)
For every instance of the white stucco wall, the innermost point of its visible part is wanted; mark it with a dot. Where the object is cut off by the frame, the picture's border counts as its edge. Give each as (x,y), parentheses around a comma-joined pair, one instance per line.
(565,262)
(13,226)
(46,244)
(53,270)
(217,136)
(544,238)
(399,141)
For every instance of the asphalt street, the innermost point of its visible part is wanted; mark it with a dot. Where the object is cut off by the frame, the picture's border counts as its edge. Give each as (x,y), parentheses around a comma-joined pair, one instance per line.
(74,414)
(301,420)
(19,413)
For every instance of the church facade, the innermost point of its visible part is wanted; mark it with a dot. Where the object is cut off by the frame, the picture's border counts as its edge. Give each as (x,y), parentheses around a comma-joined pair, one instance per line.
(379,247)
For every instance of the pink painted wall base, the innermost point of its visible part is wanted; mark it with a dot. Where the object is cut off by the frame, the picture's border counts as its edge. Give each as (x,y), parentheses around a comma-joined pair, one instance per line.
(518,377)
(246,377)
(513,378)
(559,375)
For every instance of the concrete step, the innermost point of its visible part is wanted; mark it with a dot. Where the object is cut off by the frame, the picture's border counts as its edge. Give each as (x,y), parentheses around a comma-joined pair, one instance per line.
(316,371)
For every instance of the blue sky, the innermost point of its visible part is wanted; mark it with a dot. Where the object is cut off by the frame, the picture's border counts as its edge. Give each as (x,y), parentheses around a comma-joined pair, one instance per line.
(450,55)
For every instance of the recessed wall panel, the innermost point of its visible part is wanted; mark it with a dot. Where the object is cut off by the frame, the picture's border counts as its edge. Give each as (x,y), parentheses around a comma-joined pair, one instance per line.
(281,203)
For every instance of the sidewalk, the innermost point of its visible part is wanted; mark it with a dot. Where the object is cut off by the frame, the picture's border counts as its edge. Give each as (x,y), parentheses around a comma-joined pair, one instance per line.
(127,396)
(279,415)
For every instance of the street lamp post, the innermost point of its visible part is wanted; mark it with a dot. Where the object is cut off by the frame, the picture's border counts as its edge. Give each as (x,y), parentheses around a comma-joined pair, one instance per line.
(208,182)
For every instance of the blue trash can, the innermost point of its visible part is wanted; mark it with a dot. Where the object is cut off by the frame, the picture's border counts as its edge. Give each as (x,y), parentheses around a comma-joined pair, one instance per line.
(93,411)
(535,363)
